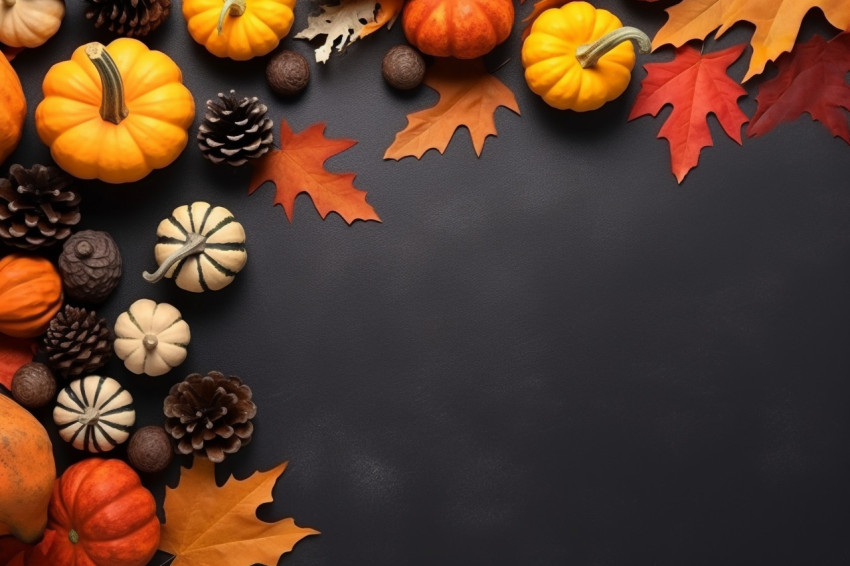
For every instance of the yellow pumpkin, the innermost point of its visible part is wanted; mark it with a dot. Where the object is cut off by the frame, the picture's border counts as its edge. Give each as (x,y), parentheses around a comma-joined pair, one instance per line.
(115,113)
(239,29)
(13,108)
(27,472)
(578,57)
(30,294)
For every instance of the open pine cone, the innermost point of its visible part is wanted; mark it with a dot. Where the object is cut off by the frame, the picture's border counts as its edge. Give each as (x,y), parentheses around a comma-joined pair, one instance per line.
(77,342)
(210,415)
(235,130)
(130,18)
(38,206)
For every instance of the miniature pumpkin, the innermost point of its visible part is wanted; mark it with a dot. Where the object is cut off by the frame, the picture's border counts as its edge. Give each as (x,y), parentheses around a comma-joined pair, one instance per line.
(13,108)
(27,471)
(578,57)
(29,23)
(151,337)
(239,29)
(464,29)
(121,122)
(30,294)
(94,413)
(201,246)
(100,515)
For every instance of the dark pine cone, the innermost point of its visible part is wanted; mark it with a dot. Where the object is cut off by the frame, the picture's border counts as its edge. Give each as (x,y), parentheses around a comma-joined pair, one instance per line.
(210,415)
(234,130)
(77,342)
(38,207)
(130,18)
(90,266)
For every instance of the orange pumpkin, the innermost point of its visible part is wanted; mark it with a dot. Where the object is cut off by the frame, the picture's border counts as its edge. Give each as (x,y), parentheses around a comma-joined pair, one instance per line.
(100,515)
(30,294)
(27,471)
(13,108)
(464,29)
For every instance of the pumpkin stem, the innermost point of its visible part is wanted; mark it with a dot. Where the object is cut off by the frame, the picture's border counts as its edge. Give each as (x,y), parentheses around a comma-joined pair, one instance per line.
(73,536)
(590,53)
(150,342)
(89,416)
(194,245)
(233,8)
(112,105)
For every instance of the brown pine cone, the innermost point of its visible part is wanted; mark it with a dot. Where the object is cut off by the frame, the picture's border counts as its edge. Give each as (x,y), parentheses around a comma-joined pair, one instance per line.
(130,18)
(210,415)
(77,342)
(38,207)
(90,266)
(235,130)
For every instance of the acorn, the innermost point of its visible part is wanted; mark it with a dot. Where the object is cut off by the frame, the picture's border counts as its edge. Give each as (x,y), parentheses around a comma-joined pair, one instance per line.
(288,73)
(403,67)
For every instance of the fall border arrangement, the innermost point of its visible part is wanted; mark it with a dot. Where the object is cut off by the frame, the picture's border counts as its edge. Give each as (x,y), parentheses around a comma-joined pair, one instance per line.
(116,112)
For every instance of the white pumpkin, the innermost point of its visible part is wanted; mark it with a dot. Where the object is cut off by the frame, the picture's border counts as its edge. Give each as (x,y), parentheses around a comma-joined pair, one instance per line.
(94,413)
(29,23)
(151,337)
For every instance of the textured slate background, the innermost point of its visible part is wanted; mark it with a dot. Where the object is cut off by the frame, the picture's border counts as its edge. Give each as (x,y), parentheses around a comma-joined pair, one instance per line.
(552,354)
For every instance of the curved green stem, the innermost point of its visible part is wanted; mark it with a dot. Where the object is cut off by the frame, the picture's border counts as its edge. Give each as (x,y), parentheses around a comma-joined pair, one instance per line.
(233,8)
(113,108)
(590,53)
(194,245)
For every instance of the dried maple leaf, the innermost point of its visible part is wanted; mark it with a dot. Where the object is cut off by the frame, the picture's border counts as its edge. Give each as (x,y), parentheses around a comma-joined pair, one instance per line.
(469,96)
(776,22)
(298,167)
(207,524)
(344,23)
(813,79)
(14,352)
(696,85)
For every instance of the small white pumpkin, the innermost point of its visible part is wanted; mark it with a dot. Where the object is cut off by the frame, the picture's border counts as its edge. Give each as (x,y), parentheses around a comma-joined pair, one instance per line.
(29,23)
(94,413)
(200,246)
(151,337)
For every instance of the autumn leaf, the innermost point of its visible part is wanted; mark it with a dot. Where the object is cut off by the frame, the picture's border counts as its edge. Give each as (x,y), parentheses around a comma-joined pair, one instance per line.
(298,167)
(469,96)
(813,79)
(696,85)
(777,23)
(207,524)
(14,352)
(344,23)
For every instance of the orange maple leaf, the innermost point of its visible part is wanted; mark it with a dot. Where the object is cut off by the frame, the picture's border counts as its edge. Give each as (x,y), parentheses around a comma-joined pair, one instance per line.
(469,96)
(207,524)
(777,23)
(388,11)
(298,167)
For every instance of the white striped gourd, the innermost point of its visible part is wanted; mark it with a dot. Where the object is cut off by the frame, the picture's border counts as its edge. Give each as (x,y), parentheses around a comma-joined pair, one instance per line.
(94,413)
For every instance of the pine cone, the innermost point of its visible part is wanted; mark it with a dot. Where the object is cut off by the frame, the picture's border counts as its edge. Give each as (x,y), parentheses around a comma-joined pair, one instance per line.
(130,18)
(210,415)
(38,207)
(90,266)
(234,131)
(77,342)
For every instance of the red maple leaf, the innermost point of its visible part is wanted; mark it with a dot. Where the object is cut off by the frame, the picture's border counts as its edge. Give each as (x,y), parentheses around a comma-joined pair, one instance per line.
(14,352)
(298,167)
(812,79)
(696,85)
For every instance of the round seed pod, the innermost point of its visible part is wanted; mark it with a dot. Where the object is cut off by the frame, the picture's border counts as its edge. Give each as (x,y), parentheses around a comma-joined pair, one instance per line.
(288,73)
(403,67)
(150,449)
(33,385)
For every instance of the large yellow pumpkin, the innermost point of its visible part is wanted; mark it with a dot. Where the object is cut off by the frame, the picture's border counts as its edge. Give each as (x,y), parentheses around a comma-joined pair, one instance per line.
(239,29)
(115,113)
(30,294)
(27,472)
(13,108)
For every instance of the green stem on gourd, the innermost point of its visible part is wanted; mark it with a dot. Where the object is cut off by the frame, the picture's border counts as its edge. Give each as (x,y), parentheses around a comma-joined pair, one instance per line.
(73,536)
(194,245)
(233,8)
(590,53)
(113,108)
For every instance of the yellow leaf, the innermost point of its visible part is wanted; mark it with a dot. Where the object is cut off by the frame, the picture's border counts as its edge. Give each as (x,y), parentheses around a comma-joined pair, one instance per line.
(388,11)
(777,23)
(206,524)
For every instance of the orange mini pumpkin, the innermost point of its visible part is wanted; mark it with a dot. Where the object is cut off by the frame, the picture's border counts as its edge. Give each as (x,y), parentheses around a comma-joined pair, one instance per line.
(30,294)
(464,29)
(13,108)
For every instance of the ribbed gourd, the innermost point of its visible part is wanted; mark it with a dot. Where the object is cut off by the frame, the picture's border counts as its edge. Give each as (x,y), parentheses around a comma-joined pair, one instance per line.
(94,413)
(200,246)
(151,337)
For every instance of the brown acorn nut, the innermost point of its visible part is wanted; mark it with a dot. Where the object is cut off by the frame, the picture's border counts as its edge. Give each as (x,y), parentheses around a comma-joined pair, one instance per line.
(288,73)
(150,449)
(90,266)
(403,67)
(33,385)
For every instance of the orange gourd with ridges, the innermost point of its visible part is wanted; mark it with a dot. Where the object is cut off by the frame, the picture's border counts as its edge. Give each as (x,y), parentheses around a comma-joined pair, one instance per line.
(30,294)
(13,108)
